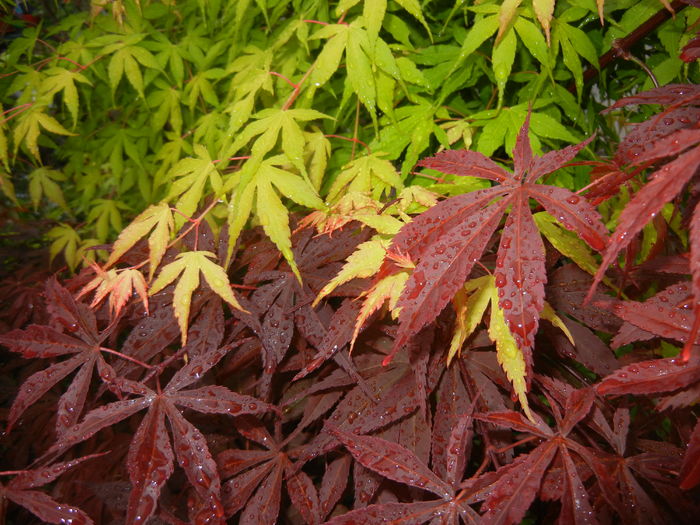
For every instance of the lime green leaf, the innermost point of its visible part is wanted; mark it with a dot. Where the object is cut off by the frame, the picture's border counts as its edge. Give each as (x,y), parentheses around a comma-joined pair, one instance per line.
(360,72)
(267,179)
(65,239)
(544,10)
(27,129)
(107,217)
(566,242)
(365,261)
(581,43)
(549,314)
(159,219)
(413,7)
(318,149)
(509,356)
(328,59)
(59,79)
(373,13)
(533,40)
(7,187)
(366,174)
(192,175)
(502,61)
(477,35)
(44,182)
(470,303)
(509,9)
(187,267)
(344,5)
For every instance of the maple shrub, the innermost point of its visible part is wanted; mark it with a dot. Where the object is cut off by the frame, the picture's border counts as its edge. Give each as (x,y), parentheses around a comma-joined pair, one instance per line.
(378,261)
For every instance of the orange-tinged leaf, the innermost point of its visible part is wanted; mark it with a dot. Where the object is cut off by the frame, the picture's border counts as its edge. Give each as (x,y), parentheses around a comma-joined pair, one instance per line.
(506,15)
(544,10)
(187,267)
(157,219)
(119,286)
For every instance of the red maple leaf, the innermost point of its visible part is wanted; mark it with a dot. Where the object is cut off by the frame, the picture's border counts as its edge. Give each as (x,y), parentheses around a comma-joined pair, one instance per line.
(450,237)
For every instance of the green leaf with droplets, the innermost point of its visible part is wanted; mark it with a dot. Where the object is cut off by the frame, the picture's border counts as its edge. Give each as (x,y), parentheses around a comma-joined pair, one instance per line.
(373,13)
(360,74)
(566,242)
(414,8)
(482,30)
(186,268)
(506,15)
(157,219)
(328,59)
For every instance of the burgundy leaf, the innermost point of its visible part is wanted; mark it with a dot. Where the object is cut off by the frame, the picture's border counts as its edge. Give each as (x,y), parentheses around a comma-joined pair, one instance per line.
(666,183)
(197,367)
(512,494)
(42,341)
(467,164)
(71,403)
(690,471)
(578,404)
(458,449)
(522,153)
(150,464)
(264,506)
(335,479)
(207,331)
(666,95)
(391,513)
(516,421)
(646,377)
(304,497)
(47,509)
(672,144)
(392,461)
(232,462)
(29,479)
(573,212)
(553,160)
(452,402)
(520,273)
(576,507)
(74,317)
(217,399)
(195,459)
(236,492)
(38,384)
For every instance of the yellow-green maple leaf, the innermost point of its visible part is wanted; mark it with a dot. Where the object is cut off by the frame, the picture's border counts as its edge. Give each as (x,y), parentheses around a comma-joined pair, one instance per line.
(187,267)
(27,129)
(566,242)
(470,303)
(191,176)
(157,219)
(369,174)
(60,79)
(544,10)
(45,182)
(365,261)
(259,183)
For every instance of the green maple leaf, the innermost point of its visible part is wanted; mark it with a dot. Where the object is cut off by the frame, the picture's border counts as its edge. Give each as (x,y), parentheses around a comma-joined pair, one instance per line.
(158,220)
(59,79)
(192,175)
(259,184)
(366,174)
(27,129)
(45,182)
(187,267)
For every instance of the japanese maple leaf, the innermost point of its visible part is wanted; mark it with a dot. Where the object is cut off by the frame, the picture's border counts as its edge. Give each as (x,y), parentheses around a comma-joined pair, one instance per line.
(680,152)
(257,477)
(400,464)
(151,454)
(83,343)
(21,491)
(509,491)
(446,241)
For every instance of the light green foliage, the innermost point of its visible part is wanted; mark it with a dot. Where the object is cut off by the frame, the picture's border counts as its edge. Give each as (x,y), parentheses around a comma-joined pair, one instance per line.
(250,108)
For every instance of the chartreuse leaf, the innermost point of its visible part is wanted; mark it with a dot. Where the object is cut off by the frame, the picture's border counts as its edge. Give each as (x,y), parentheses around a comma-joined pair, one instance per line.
(106,215)
(502,61)
(65,239)
(509,356)
(7,187)
(328,59)
(159,219)
(470,303)
(59,79)
(367,174)
(269,125)
(549,314)
(4,157)
(187,267)
(414,8)
(265,179)
(360,73)
(27,129)
(192,175)
(44,182)
(344,5)
(544,10)
(317,152)
(566,242)
(482,30)
(364,262)
(373,13)
(126,61)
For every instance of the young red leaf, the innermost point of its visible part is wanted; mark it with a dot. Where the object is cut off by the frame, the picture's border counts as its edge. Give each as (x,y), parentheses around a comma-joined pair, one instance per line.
(335,479)
(303,494)
(392,461)
(576,507)
(394,513)
(236,492)
(264,506)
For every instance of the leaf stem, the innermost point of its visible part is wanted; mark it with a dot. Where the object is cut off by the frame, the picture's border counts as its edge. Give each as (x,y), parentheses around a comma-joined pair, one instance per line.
(124,356)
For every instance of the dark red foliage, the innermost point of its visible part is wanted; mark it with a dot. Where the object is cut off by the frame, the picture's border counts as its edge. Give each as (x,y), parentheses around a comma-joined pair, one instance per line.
(266,417)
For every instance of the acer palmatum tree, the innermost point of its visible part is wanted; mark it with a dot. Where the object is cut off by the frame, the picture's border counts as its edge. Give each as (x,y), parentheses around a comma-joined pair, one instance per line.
(460,355)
